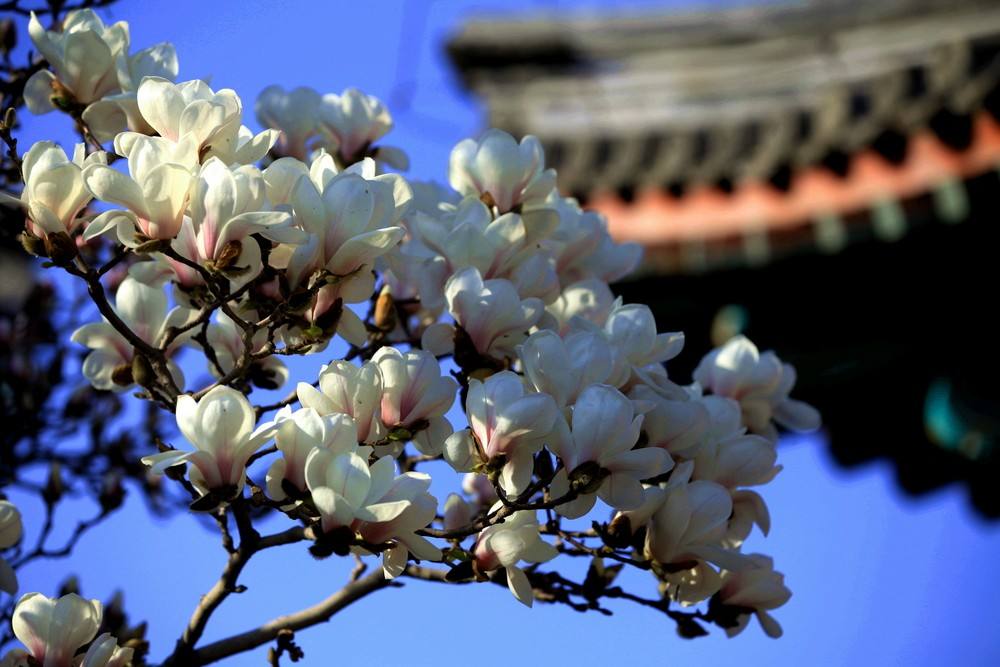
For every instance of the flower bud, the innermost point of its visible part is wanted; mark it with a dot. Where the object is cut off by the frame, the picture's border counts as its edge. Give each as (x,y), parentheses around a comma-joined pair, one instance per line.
(141,370)
(112,492)
(54,486)
(122,375)
(385,310)
(228,255)
(32,244)
(60,248)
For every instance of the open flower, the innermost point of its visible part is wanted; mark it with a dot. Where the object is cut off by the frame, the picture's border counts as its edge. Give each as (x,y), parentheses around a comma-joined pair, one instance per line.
(500,171)
(54,193)
(83,58)
(116,112)
(374,502)
(760,383)
(561,367)
(508,543)
(143,309)
(105,652)
(760,589)
(293,113)
(52,630)
(491,313)
(584,249)
(350,390)
(507,425)
(413,389)
(597,455)
(297,434)
(351,122)
(221,428)
(155,194)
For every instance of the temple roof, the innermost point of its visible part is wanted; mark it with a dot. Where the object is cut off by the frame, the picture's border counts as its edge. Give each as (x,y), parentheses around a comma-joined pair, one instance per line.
(727,136)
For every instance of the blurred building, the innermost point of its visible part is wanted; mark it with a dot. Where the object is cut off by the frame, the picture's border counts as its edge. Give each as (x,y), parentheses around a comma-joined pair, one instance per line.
(823,176)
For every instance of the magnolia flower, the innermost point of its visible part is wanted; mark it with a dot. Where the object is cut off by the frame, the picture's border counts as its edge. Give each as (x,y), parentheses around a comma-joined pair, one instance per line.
(83,58)
(491,313)
(293,113)
(588,301)
(221,428)
(226,207)
(297,434)
(502,172)
(561,367)
(11,530)
(351,390)
(225,338)
(583,248)
(108,116)
(760,382)
(505,421)
(678,426)
(688,522)
(351,122)
(597,456)
(351,217)
(457,513)
(105,652)
(54,193)
(374,502)
(52,630)
(193,112)
(497,247)
(155,194)
(631,331)
(413,389)
(143,309)
(759,588)
(506,544)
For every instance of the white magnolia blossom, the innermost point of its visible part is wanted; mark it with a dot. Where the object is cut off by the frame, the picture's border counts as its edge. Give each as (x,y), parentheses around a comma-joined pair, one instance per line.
(604,431)
(220,426)
(351,390)
(83,57)
(491,313)
(507,544)
(53,629)
(143,309)
(759,588)
(155,194)
(191,112)
(11,530)
(117,112)
(226,207)
(457,512)
(413,389)
(297,434)
(351,218)
(760,382)
(469,236)
(584,249)
(54,194)
(293,113)
(506,424)
(501,171)
(105,652)
(564,367)
(587,301)
(373,501)
(345,125)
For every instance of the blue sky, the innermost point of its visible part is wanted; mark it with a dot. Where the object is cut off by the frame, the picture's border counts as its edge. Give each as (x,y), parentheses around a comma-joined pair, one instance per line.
(878,578)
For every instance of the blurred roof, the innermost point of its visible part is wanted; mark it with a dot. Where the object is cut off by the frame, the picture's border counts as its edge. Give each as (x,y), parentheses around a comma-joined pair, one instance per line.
(726,136)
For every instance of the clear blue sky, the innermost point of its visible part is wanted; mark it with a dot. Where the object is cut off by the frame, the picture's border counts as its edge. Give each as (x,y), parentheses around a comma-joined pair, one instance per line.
(878,579)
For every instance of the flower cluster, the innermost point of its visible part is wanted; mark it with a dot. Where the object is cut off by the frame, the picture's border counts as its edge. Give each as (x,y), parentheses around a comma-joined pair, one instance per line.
(494,290)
